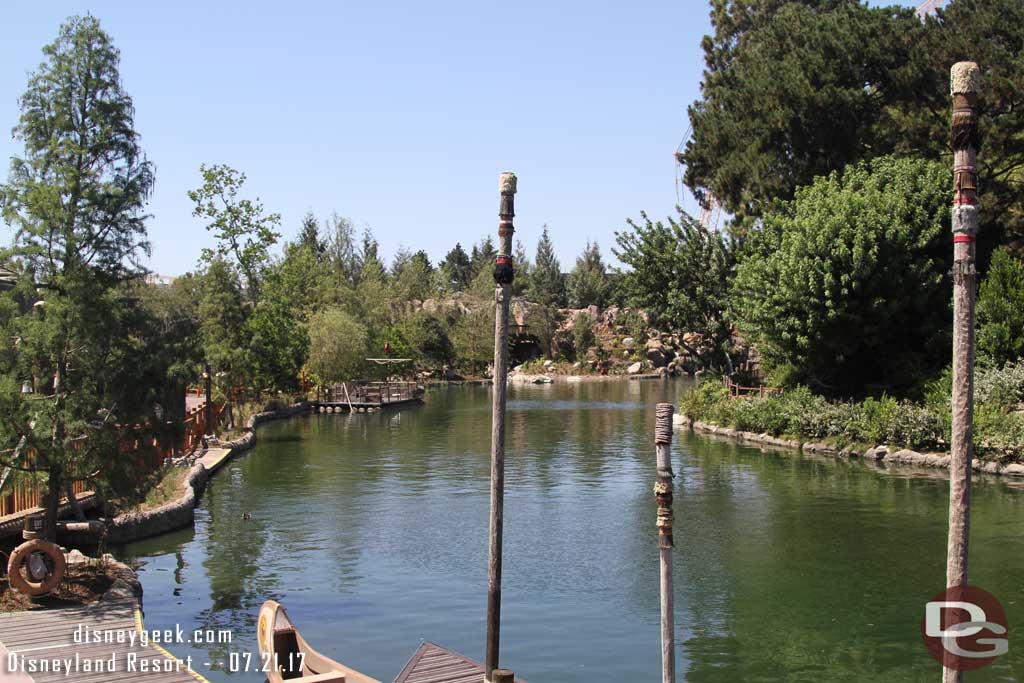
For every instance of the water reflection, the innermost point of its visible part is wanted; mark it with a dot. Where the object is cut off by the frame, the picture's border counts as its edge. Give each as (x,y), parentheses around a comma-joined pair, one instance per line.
(372,530)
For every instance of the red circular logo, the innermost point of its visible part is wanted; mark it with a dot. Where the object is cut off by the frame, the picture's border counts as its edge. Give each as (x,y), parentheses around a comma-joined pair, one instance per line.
(965,628)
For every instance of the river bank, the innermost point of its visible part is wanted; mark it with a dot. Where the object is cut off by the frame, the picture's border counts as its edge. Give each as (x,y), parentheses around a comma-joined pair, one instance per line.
(372,531)
(877,454)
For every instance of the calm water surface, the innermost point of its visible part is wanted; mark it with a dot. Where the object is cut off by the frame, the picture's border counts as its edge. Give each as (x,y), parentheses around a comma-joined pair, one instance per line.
(372,531)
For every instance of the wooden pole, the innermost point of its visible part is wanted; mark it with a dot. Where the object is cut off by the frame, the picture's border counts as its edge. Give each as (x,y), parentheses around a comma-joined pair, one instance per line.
(965,78)
(663,494)
(503,275)
(208,376)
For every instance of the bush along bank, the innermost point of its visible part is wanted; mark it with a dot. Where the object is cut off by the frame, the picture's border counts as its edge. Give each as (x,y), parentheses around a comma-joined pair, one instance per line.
(800,419)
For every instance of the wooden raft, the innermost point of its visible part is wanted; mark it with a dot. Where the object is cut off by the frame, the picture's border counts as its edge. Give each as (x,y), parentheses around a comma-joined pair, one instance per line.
(434,664)
(49,634)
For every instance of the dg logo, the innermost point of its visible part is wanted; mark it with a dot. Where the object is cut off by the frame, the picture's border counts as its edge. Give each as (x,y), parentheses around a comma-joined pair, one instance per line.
(965,628)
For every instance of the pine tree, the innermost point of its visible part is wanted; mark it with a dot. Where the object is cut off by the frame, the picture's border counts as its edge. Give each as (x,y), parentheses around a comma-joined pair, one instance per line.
(588,282)
(76,199)
(547,284)
(456,269)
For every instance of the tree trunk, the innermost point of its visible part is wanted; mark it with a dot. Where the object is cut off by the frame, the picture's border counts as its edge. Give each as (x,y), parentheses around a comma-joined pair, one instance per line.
(52,503)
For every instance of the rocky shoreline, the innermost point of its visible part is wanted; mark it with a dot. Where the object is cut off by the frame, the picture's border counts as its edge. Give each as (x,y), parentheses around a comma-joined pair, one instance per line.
(137,525)
(879,454)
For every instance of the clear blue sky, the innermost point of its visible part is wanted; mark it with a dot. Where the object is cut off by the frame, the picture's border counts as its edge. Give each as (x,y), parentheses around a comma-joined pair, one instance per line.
(397,115)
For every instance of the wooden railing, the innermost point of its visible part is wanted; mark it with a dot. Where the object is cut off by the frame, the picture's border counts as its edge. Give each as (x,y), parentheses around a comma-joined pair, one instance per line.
(27,493)
(761,391)
(369,392)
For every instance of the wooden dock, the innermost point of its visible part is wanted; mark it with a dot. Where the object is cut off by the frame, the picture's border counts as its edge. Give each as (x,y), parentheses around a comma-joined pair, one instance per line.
(46,637)
(434,664)
(363,396)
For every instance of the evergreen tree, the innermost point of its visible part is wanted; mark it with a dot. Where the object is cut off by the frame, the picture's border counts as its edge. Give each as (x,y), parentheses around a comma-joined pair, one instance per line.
(456,269)
(588,282)
(1001,311)
(76,199)
(341,250)
(309,236)
(482,257)
(797,89)
(547,284)
(370,264)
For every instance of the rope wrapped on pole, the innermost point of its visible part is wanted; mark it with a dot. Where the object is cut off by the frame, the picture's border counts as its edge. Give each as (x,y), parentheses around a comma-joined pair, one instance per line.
(965,81)
(663,495)
(503,276)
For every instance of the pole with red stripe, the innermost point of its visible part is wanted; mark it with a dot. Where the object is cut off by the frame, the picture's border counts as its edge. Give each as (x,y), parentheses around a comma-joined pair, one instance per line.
(965,80)
(503,276)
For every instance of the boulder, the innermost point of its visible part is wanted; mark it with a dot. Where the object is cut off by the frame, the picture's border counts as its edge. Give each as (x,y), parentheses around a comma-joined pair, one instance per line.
(658,354)
(635,368)
(119,590)
(629,343)
(75,557)
(548,364)
(452,376)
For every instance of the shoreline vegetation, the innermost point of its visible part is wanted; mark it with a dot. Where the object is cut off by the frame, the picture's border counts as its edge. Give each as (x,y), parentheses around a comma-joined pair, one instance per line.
(876,428)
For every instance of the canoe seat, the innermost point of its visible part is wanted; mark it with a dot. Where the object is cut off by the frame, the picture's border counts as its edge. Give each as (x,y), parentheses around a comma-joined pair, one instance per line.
(330,677)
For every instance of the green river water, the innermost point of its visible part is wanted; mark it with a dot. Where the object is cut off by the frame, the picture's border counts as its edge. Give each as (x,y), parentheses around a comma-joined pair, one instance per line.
(372,531)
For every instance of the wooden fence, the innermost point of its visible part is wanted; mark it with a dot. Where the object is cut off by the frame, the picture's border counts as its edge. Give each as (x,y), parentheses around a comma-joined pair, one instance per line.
(28,493)
(762,391)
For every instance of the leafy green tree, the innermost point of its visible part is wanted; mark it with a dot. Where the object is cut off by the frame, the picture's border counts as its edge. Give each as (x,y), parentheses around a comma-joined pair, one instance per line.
(1001,310)
(679,273)
(547,284)
(278,344)
(413,277)
(224,317)
(473,339)
(456,270)
(338,344)
(298,279)
(588,281)
(847,286)
(583,334)
(76,199)
(428,336)
(242,229)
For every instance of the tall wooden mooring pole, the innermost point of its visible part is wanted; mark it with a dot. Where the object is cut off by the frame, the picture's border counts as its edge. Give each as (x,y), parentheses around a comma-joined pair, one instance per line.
(965,80)
(503,275)
(663,494)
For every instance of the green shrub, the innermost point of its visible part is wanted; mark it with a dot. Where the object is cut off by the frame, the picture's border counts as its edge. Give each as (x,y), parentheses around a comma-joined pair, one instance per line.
(583,334)
(1001,310)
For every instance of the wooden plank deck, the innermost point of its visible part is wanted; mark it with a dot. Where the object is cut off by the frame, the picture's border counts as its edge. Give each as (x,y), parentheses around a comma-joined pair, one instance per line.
(434,664)
(11,525)
(48,635)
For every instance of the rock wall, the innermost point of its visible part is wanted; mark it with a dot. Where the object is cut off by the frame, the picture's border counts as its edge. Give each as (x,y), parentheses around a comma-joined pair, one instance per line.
(879,454)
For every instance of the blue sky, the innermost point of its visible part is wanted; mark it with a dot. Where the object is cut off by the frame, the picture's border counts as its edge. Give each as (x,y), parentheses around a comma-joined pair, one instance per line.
(397,115)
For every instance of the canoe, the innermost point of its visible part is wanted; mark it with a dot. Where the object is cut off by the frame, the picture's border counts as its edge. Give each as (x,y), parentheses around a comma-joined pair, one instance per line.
(286,656)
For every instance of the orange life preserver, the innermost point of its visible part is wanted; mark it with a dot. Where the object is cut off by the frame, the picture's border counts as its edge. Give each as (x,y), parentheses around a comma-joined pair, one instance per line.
(20,559)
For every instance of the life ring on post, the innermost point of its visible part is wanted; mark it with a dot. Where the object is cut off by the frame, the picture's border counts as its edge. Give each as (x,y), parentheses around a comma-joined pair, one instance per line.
(36,567)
